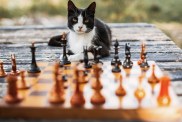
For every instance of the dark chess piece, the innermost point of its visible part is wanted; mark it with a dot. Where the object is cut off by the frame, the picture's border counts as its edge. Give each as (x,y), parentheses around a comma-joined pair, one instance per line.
(12,95)
(87,65)
(127,64)
(2,72)
(14,70)
(23,83)
(57,92)
(97,55)
(116,67)
(77,99)
(64,60)
(33,67)
(116,56)
(144,65)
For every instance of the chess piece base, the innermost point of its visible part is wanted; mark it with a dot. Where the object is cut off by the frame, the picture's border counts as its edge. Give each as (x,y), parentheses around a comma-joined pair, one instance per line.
(120,92)
(3,75)
(56,99)
(12,100)
(77,100)
(34,69)
(97,99)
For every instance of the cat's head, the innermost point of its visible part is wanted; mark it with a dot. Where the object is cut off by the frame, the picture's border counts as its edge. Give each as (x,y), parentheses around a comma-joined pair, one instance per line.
(81,20)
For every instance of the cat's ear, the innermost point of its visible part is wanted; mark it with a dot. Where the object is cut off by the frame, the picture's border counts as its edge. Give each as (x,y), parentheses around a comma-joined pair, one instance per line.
(71,6)
(91,8)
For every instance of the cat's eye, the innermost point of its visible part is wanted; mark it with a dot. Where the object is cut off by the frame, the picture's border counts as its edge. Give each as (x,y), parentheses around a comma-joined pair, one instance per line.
(74,20)
(86,21)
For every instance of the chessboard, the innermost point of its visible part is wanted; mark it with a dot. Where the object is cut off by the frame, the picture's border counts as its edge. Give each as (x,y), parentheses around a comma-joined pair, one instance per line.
(36,103)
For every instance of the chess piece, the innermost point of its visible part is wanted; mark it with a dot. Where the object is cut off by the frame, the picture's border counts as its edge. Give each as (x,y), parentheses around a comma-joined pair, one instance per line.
(143,63)
(139,92)
(23,84)
(57,92)
(33,67)
(153,80)
(82,77)
(120,91)
(14,70)
(97,98)
(116,67)
(97,55)
(164,98)
(116,56)
(77,99)
(12,95)
(127,64)
(86,60)
(64,60)
(97,70)
(141,60)
(2,72)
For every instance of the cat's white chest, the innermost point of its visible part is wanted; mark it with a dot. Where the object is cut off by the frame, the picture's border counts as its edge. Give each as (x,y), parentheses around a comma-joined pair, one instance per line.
(77,41)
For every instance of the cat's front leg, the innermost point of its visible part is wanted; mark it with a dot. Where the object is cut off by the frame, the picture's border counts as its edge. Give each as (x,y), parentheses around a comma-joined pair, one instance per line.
(79,56)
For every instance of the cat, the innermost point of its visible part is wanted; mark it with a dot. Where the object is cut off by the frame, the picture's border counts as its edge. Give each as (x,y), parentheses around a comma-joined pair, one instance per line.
(84,30)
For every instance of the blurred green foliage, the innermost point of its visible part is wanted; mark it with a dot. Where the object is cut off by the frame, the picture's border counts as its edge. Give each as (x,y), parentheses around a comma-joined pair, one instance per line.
(107,10)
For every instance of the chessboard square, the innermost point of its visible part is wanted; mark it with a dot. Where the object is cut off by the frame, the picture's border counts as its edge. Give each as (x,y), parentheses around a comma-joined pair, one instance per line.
(45,80)
(38,93)
(46,76)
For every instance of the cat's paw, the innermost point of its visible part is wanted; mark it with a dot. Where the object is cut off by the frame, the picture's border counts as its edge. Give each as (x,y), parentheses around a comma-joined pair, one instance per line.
(60,57)
(76,57)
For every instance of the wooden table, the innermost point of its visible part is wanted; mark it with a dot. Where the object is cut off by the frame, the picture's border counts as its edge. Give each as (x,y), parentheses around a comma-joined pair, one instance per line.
(160,47)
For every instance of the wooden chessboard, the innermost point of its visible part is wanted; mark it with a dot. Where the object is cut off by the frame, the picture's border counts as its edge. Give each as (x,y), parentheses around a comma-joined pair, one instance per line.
(36,104)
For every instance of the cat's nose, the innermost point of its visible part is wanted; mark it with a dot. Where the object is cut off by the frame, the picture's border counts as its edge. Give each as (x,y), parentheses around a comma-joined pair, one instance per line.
(80,27)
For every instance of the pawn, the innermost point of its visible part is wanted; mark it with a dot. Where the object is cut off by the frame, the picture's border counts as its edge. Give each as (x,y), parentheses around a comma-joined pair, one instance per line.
(12,95)
(153,79)
(2,72)
(14,70)
(23,84)
(164,98)
(139,92)
(144,64)
(97,98)
(97,72)
(141,60)
(120,91)
(77,100)
(116,67)
(57,94)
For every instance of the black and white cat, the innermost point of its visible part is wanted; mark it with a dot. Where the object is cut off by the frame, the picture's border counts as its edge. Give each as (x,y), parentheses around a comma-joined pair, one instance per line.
(84,30)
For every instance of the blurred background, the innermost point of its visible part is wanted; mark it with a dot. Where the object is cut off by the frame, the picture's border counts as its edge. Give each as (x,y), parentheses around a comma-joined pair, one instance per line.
(165,14)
